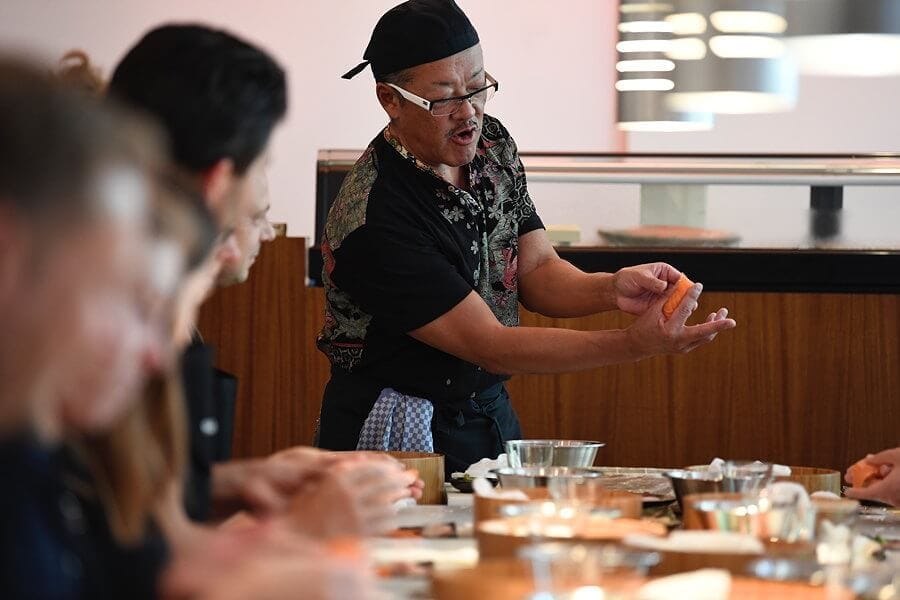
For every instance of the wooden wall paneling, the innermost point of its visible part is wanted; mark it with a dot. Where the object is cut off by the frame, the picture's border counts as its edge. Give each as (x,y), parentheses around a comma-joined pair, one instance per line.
(823,364)
(317,367)
(286,330)
(258,329)
(808,379)
(536,397)
(873,394)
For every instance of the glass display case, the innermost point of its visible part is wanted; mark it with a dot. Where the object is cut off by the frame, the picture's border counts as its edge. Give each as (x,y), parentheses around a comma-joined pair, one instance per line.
(828,223)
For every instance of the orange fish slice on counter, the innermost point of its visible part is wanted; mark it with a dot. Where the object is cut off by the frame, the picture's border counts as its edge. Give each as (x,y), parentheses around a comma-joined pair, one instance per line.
(863,473)
(681,289)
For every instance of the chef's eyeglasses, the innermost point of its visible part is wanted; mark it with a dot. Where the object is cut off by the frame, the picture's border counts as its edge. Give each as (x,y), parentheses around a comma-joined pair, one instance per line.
(448,106)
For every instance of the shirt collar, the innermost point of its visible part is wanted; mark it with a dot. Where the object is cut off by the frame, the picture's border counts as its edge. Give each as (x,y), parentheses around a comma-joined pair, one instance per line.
(407,155)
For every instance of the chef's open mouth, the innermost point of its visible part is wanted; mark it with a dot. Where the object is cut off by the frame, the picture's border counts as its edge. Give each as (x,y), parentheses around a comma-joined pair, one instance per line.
(464,136)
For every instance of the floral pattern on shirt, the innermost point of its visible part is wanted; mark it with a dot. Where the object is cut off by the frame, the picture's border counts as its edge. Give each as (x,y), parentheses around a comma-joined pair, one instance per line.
(345,323)
(348,212)
(496,203)
(487,217)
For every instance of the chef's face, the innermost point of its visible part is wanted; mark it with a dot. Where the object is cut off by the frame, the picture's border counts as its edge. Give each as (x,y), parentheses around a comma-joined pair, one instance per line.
(439,141)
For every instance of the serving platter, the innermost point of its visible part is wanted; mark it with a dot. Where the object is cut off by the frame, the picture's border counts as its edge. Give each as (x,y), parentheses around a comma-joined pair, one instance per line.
(669,235)
(649,482)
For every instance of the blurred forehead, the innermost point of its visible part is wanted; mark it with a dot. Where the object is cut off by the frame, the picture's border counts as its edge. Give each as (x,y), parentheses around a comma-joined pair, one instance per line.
(121,192)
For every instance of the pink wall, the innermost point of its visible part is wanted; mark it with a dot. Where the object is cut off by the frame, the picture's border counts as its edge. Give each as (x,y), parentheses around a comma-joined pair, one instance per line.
(555,67)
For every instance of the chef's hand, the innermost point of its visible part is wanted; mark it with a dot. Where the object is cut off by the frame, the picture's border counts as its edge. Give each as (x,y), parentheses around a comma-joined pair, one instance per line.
(652,334)
(886,489)
(640,287)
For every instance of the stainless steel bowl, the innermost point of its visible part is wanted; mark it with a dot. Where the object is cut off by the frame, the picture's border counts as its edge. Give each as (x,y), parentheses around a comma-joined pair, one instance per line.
(534,477)
(727,514)
(740,476)
(551,453)
(692,482)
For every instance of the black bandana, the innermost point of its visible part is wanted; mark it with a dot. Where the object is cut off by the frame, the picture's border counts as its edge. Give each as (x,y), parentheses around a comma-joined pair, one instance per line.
(414,33)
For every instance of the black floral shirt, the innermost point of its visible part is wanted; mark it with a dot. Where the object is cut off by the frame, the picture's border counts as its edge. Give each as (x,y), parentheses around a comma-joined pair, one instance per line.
(402,247)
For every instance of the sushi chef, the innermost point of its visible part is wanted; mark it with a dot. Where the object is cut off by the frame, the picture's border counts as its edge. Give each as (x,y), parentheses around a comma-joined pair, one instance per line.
(429,248)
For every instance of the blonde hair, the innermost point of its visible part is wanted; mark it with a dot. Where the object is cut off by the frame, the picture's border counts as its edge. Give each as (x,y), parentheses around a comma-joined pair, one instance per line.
(132,464)
(75,69)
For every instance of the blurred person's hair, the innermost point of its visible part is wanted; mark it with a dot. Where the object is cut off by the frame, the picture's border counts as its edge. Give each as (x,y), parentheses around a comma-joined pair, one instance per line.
(57,146)
(217,96)
(133,462)
(58,143)
(76,70)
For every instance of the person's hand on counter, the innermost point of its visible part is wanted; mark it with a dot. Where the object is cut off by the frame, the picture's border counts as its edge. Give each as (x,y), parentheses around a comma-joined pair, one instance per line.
(887,487)
(639,287)
(353,497)
(268,485)
(653,334)
(263,485)
(268,560)
(416,488)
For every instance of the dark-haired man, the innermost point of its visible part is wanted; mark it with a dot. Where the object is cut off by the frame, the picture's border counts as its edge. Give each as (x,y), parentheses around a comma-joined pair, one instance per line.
(219,98)
(429,248)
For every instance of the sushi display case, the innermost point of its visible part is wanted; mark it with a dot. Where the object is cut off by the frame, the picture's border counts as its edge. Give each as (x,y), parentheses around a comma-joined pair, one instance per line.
(780,223)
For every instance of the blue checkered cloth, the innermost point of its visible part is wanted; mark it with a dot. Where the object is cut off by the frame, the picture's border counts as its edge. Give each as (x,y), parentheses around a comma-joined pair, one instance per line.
(398,422)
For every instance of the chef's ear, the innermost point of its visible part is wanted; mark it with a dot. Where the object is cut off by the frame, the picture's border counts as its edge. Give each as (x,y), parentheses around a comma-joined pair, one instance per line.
(389,99)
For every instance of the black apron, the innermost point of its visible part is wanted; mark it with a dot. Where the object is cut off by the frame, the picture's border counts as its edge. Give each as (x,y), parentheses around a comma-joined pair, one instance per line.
(465,433)
(468,434)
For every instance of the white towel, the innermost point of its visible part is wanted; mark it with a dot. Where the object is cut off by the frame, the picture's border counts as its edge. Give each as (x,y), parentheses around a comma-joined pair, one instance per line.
(705,584)
(716,465)
(484,466)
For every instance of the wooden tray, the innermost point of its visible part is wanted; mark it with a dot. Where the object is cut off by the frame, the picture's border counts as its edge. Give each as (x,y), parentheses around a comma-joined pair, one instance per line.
(672,562)
(431,470)
(630,505)
(485,508)
(502,538)
(511,579)
(815,479)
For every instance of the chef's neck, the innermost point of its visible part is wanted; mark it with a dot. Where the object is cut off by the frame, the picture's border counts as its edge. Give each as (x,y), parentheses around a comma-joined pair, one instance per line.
(458,176)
